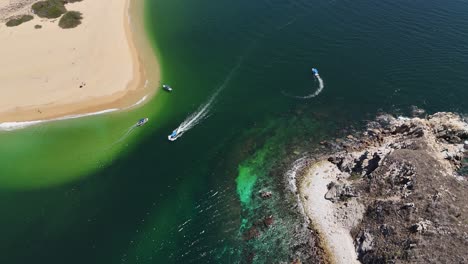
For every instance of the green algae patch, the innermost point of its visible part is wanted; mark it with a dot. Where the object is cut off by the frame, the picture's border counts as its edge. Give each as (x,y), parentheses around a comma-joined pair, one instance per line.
(248,173)
(245,183)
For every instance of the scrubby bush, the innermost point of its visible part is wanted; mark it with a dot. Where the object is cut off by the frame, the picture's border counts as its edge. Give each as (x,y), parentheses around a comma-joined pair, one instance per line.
(19,20)
(71,19)
(49,8)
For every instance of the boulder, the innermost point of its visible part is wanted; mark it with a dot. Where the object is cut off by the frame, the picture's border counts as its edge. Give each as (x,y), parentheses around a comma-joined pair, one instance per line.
(364,243)
(340,192)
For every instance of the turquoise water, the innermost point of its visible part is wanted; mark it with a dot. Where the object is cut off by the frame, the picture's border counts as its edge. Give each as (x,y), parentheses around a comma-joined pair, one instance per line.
(193,200)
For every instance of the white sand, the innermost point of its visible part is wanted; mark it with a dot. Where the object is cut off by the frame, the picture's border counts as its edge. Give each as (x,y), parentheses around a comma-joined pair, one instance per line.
(42,69)
(324,214)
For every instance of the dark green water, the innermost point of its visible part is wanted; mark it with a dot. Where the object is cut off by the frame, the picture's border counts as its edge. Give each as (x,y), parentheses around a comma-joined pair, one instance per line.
(190,201)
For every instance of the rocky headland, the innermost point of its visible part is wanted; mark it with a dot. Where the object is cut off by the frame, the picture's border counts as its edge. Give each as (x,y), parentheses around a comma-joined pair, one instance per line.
(394,193)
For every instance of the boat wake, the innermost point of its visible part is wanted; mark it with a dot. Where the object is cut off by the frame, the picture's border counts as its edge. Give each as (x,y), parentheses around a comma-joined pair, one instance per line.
(124,136)
(204,110)
(312,95)
(140,122)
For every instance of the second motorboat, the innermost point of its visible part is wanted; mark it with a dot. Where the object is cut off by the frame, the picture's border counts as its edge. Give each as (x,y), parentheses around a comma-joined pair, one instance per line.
(315,72)
(142,121)
(167,87)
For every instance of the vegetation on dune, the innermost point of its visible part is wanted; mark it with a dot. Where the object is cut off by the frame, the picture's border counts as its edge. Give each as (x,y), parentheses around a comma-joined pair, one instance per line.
(71,19)
(49,8)
(56,8)
(19,20)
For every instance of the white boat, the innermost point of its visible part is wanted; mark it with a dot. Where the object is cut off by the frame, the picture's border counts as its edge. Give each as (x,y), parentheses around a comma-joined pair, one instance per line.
(173,136)
(167,87)
(142,121)
(315,71)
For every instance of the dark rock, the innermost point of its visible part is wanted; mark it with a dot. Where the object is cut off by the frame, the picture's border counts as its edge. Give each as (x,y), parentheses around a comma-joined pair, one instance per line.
(417,112)
(252,233)
(372,164)
(386,230)
(404,128)
(268,221)
(265,194)
(340,192)
(364,243)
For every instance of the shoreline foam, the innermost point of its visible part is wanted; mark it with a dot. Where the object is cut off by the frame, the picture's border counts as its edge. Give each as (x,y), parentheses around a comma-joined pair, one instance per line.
(10,126)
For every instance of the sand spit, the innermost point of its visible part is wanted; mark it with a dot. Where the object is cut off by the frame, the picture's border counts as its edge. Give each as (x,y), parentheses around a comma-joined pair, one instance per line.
(50,72)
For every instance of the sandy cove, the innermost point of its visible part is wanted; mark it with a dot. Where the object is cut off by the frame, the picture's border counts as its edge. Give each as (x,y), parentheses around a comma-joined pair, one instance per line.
(53,72)
(334,234)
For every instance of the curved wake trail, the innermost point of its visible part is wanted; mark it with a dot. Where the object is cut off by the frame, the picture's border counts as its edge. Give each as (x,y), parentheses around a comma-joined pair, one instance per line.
(203,111)
(312,95)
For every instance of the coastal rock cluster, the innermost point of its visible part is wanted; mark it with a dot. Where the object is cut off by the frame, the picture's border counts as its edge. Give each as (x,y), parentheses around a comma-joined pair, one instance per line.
(394,193)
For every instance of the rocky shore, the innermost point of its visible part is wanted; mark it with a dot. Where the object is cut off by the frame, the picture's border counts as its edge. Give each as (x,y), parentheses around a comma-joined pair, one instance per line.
(394,193)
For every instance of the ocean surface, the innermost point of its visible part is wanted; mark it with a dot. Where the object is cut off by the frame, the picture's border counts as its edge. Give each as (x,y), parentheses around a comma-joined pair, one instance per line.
(98,190)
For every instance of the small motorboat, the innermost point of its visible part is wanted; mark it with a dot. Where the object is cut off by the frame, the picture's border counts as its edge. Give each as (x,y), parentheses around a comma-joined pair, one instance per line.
(142,121)
(173,136)
(167,87)
(315,71)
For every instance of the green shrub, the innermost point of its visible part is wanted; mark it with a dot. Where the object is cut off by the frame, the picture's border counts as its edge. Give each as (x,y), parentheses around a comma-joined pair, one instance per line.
(19,20)
(71,19)
(49,8)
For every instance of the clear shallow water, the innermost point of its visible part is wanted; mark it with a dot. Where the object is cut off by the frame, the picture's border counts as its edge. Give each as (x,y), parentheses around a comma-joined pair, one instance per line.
(188,201)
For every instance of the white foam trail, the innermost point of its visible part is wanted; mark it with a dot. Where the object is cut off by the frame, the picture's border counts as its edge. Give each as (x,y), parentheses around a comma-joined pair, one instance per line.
(291,178)
(312,95)
(203,111)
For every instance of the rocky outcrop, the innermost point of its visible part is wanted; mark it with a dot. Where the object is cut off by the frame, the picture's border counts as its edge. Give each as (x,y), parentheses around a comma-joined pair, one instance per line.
(406,173)
(339,192)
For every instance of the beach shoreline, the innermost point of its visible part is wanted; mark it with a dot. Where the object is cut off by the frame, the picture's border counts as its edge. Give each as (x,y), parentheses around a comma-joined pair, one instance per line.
(121,94)
(323,214)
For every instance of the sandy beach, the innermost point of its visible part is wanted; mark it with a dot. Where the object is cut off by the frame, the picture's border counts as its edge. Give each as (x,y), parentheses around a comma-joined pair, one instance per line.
(325,215)
(52,72)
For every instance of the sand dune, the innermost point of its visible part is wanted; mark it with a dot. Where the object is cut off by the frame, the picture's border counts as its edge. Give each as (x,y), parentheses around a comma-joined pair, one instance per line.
(52,72)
